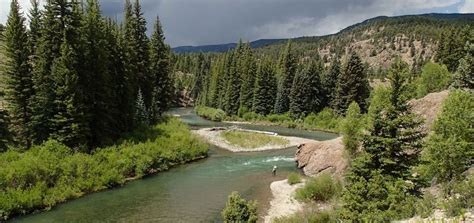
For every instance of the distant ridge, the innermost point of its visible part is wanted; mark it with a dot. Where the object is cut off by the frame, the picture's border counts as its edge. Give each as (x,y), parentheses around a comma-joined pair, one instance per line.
(468,17)
(223,47)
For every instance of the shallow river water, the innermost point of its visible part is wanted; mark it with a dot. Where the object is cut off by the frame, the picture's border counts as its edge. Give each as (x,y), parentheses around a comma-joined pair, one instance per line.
(194,192)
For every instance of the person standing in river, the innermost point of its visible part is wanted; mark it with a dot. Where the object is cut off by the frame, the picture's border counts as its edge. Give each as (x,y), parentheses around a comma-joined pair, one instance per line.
(274,170)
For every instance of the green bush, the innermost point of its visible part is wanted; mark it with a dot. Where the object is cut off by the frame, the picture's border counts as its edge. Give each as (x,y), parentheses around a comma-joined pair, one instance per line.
(52,173)
(238,209)
(279,118)
(461,197)
(212,114)
(426,205)
(434,77)
(327,119)
(321,188)
(251,116)
(294,178)
(310,217)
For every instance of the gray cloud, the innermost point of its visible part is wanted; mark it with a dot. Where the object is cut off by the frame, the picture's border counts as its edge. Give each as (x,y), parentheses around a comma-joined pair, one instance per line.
(197,22)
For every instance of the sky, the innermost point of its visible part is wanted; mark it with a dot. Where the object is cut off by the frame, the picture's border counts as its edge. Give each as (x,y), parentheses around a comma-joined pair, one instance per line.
(202,22)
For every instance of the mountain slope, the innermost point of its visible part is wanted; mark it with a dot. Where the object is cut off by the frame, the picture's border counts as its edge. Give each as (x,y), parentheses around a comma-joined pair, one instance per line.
(223,47)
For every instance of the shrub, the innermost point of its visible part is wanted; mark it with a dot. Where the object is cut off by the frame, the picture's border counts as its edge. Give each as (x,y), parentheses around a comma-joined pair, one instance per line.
(279,118)
(434,77)
(425,206)
(306,216)
(462,197)
(252,116)
(212,114)
(294,178)
(351,128)
(52,173)
(238,209)
(321,188)
(327,119)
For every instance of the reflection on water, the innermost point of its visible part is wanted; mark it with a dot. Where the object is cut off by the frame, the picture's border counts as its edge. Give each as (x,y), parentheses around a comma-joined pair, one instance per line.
(194,192)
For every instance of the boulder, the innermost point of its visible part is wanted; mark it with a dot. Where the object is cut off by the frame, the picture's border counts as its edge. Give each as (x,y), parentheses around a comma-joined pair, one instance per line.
(320,157)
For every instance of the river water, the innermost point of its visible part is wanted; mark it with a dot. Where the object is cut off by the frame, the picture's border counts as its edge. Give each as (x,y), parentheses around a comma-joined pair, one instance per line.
(194,192)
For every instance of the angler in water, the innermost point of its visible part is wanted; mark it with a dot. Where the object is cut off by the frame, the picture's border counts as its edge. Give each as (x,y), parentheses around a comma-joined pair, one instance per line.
(274,170)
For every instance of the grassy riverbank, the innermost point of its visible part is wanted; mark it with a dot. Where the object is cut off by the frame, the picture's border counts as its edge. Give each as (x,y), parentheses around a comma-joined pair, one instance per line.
(252,139)
(52,173)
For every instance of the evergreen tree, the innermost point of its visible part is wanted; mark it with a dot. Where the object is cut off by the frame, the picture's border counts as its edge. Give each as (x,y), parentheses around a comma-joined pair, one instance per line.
(141,111)
(18,73)
(140,44)
(35,26)
(352,85)
(330,82)
(265,89)
(305,95)
(55,20)
(287,69)
(95,77)
(247,70)
(464,76)
(159,69)
(377,188)
(232,96)
(70,122)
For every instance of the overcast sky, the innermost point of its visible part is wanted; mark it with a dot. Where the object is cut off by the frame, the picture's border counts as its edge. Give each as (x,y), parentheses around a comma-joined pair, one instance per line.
(199,22)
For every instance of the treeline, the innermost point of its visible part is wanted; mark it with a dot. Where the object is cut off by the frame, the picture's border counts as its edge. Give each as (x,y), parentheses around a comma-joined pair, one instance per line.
(238,82)
(78,77)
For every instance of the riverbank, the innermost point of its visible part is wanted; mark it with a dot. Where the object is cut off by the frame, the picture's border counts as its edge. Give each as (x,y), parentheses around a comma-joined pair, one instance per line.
(283,202)
(213,136)
(52,173)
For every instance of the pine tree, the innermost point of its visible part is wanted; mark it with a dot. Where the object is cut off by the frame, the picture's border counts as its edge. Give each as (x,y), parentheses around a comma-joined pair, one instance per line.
(141,111)
(352,85)
(70,122)
(247,71)
(159,69)
(376,189)
(18,73)
(305,95)
(351,128)
(232,96)
(330,82)
(94,76)
(141,46)
(288,65)
(51,37)
(35,26)
(265,89)
(464,76)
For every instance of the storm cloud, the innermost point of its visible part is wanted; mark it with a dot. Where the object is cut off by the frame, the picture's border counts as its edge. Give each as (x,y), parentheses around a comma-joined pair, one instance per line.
(198,22)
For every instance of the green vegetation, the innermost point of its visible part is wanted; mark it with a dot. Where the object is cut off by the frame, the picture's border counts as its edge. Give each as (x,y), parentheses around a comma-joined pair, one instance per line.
(294,178)
(448,151)
(351,128)
(79,78)
(376,188)
(52,173)
(434,78)
(321,188)
(212,114)
(238,209)
(310,217)
(251,139)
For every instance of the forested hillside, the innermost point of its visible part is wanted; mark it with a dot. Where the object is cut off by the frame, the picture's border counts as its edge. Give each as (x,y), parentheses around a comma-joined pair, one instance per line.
(81,104)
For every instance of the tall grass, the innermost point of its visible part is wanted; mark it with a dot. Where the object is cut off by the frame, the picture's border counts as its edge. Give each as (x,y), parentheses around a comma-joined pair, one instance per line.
(212,114)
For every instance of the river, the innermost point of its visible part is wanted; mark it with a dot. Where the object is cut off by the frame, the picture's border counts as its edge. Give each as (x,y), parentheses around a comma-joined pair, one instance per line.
(195,192)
